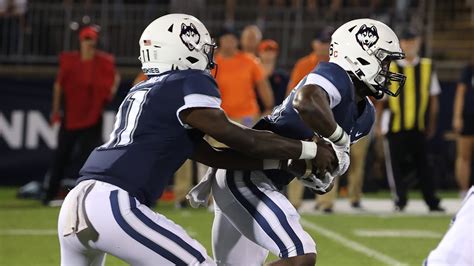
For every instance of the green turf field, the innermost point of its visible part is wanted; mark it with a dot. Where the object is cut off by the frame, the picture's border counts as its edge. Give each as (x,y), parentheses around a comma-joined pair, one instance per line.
(27,234)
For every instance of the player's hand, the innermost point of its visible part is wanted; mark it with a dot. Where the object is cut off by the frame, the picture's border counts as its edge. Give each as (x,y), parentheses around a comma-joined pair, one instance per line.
(296,167)
(458,125)
(325,160)
(319,183)
(55,118)
(343,158)
(322,191)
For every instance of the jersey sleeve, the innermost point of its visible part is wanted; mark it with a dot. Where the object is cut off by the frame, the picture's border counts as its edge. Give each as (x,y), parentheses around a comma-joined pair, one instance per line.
(435,87)
(334,80)
(333,93)
(199,91)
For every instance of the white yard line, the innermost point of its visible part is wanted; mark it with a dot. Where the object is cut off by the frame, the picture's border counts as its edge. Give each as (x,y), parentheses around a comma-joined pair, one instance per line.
(397,233)
(356,246)
(28,232)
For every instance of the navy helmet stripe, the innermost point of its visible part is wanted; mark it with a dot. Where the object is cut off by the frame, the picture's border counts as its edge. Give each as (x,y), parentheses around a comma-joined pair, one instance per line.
(164,232)
(137,236)
(278,212)
(255,214)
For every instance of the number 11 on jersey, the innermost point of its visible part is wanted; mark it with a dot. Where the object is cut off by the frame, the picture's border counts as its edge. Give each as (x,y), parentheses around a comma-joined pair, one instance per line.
(127,118)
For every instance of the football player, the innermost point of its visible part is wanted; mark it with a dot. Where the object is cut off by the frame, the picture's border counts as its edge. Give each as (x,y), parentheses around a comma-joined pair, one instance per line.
(457,245)
(160,124)
(252,217)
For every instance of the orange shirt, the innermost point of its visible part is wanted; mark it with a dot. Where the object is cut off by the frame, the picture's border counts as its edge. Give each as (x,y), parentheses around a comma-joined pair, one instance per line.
(302,67)
(236,79)
(139,78)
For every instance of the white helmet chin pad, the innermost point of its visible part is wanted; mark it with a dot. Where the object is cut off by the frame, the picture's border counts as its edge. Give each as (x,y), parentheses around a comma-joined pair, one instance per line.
(365,48)
(176,41)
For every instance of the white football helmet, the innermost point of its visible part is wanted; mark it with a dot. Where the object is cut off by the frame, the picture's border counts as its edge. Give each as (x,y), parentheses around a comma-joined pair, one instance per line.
(176,42)
(365,48)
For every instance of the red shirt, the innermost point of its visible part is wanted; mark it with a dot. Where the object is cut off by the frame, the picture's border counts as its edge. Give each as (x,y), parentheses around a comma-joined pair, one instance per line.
(86,86)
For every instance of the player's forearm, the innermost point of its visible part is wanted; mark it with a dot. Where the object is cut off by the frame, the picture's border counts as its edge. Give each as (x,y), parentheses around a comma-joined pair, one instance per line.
(266,145)
(225,158)
(254,143)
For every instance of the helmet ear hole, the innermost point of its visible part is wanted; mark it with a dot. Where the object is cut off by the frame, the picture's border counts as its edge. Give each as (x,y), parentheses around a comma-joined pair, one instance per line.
(191,59)
(363,61)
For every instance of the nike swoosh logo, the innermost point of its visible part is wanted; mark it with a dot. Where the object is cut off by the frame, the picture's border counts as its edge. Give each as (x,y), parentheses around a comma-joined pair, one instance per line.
(358,134)
(389,41)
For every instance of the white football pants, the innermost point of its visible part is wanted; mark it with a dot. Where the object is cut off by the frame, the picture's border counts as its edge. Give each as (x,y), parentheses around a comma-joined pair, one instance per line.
(98,218)
(251,218)
(457,245)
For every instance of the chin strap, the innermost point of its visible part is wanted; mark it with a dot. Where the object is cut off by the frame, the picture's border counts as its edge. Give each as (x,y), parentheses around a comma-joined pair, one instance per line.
(377,94)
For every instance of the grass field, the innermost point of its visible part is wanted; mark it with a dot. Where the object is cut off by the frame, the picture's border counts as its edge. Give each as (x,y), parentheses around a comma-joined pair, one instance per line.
(27,234)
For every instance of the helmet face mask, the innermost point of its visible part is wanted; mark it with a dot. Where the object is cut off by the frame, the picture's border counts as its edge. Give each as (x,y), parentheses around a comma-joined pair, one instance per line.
(384,78)
(365,48)
(208,50)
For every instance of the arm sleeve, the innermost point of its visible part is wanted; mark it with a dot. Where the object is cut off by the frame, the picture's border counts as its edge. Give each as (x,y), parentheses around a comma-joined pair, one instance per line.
(200,91)
(435,88)
(333,93)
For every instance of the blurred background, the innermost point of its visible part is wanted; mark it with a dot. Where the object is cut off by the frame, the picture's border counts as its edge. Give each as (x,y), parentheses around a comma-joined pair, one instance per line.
(66,65)
(34,33)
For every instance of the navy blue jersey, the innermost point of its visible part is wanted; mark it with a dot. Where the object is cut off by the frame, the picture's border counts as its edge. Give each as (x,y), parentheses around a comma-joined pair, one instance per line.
(149,142)
(355,118)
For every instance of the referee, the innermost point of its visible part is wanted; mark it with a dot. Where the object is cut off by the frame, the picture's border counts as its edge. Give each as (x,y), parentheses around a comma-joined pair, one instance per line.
(411,122)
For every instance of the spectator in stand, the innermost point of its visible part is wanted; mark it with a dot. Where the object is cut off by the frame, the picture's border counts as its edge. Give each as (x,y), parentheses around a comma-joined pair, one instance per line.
(320,53)
(463,125)
(237,76)
(250,39)
(13,25)
(86,82)
(268,54)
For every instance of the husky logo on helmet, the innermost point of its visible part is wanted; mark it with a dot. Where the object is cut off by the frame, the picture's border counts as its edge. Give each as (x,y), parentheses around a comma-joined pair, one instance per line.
(367,36)
(189,36)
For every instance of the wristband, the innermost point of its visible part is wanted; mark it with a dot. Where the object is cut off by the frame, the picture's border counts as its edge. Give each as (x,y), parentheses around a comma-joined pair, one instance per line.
(308,150)
(339,137)
(271,164)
